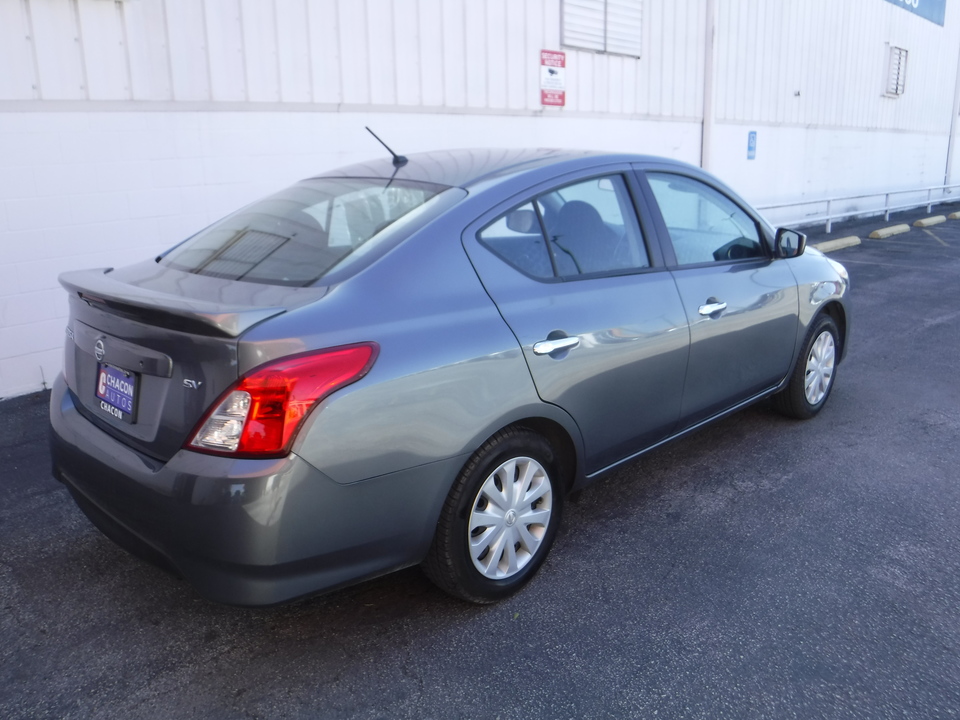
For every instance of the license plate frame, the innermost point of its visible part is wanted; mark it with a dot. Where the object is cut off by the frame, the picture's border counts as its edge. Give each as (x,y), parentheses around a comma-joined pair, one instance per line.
(116,392)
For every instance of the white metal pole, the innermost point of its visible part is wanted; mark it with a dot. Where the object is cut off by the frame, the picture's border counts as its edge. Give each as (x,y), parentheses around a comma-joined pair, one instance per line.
(706,135)
(953,122)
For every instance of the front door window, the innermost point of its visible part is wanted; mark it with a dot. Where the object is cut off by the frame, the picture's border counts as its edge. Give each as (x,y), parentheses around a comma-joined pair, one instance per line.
(705,226)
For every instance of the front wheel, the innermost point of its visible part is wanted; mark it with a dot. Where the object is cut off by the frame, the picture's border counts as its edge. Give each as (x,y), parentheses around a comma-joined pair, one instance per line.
(500,518)
(812,378)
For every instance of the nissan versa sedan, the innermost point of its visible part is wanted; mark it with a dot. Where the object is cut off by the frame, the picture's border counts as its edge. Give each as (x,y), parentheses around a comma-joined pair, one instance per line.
(415,361)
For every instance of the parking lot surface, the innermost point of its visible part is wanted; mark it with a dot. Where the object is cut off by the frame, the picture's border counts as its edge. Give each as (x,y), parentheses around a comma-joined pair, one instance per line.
(761,568)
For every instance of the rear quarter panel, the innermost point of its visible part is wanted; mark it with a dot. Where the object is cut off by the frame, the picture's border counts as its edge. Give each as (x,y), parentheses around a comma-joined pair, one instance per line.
(449,373)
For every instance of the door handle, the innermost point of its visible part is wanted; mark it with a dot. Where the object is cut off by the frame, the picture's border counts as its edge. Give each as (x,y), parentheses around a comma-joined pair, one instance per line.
(548,347)
(712,307)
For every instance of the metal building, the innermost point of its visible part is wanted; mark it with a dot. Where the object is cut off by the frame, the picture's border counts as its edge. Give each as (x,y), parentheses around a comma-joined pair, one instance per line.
(126,125)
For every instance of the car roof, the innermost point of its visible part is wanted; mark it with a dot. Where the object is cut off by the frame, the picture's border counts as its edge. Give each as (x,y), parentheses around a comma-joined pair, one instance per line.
(470,167)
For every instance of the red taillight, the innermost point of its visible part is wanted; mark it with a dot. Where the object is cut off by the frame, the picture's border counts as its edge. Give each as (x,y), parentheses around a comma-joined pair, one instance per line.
(260,414)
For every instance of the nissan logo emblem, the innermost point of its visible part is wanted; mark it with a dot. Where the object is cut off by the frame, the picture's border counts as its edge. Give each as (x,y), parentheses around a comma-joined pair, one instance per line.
(98,350)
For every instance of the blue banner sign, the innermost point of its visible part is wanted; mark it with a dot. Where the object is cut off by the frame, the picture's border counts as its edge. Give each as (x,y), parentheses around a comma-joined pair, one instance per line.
(932,10)
(752,145)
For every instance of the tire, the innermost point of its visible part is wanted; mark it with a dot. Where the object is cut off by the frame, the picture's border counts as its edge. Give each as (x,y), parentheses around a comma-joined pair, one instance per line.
(815,372)
(490,541)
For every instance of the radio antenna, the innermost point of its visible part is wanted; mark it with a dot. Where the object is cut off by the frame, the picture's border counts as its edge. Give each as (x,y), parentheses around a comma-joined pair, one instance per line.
(398,160)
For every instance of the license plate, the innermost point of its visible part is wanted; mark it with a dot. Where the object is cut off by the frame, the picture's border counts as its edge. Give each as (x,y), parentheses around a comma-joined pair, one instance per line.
(117,392)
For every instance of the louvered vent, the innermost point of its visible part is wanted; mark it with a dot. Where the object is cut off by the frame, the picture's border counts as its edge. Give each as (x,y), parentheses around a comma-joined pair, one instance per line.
(609,26)
(896,71)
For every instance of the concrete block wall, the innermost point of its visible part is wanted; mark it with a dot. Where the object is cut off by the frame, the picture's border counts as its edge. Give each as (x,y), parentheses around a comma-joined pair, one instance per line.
(108,188)
(105,189)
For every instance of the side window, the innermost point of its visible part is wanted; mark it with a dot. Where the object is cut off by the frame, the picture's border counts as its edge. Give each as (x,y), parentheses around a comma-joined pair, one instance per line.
(517,238)
(704,224)
(592,228)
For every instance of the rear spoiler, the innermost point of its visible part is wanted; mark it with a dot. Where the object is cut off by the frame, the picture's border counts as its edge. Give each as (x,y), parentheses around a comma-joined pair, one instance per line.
(131,296)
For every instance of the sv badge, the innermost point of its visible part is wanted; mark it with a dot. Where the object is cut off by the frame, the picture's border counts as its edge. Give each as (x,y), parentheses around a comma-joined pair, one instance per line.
(192,384)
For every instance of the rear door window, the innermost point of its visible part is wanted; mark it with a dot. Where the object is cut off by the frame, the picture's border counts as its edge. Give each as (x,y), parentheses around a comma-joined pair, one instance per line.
(585,228)
(517,237)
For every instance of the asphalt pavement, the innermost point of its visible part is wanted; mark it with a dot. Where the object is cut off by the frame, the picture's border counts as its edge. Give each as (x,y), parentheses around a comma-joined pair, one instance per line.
(761,568)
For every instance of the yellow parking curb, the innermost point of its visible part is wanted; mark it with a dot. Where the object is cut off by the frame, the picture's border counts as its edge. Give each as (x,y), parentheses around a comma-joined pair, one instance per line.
(888,231)
(839,243)
(954,216)
(927,222)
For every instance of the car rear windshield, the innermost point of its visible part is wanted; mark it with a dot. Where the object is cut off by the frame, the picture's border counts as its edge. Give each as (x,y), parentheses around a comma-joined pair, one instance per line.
(299,235)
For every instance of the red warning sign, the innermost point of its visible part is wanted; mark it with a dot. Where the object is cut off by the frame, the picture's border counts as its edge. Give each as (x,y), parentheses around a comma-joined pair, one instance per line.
(553,78)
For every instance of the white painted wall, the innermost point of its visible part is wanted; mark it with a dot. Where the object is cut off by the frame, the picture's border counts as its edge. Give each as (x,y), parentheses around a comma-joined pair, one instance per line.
(125,126)
(97,189)
(796,163)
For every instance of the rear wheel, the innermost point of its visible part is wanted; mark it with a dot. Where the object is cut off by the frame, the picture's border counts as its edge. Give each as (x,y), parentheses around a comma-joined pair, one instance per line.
(812,378)
(500,518)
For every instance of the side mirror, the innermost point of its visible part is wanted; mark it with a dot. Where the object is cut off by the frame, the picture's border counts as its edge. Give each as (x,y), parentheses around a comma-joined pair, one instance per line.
(790,243)
(522,221)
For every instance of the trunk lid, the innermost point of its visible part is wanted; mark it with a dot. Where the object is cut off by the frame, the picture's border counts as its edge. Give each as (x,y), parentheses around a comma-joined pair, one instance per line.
(149,348)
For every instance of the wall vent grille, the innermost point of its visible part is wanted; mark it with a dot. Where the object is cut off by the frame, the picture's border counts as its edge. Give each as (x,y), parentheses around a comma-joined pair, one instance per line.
(606,26)
(896,71)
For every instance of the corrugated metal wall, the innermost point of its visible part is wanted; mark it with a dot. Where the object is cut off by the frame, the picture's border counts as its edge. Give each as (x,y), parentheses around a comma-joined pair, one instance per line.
(823,64)
(786,62)
(478,54)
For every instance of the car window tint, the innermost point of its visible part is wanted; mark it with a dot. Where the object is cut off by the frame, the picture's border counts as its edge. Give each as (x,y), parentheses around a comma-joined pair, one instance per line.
(592,227)
(518,239)
(704,224)
(300,234)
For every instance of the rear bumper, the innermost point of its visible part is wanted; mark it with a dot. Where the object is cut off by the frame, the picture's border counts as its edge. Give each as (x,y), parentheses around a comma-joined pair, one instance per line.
(248,532)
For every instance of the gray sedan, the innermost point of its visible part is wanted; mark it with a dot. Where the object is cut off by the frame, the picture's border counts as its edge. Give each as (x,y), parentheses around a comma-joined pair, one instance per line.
(417,360)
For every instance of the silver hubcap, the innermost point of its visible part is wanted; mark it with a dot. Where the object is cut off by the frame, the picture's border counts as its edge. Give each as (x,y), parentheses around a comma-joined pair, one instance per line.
(820,364)
(510,517)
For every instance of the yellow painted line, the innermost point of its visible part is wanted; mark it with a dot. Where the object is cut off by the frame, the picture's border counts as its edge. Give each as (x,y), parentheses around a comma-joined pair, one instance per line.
(927,222)
(888,231)
(935,238)
(954,216)
(839,243)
